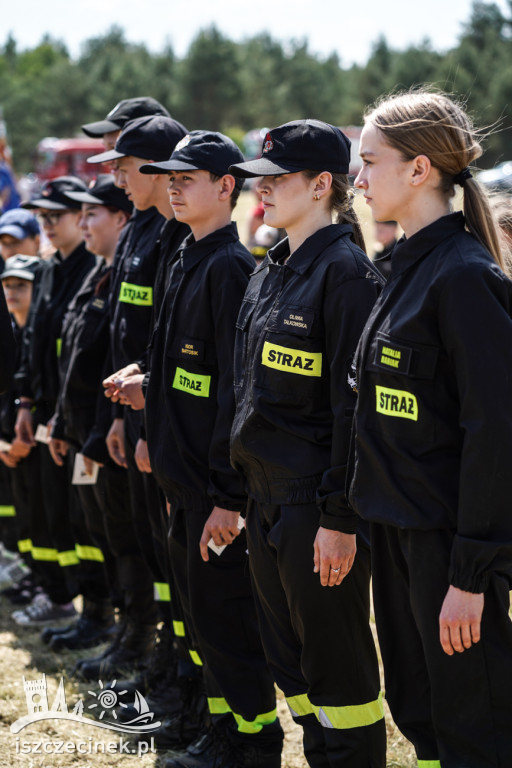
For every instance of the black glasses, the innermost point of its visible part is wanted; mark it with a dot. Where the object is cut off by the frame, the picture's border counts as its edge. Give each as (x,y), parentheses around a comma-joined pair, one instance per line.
(52,218)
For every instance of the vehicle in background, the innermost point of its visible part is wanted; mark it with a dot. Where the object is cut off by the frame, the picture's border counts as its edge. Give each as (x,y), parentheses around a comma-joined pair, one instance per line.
(67,157)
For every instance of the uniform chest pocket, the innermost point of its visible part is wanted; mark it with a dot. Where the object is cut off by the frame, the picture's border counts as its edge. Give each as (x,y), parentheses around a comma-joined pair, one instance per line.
(292,358)
(187,348)
(95,319)
(404,389)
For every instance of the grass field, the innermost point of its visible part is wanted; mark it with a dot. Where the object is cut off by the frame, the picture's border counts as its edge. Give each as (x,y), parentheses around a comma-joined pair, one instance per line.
(23,654)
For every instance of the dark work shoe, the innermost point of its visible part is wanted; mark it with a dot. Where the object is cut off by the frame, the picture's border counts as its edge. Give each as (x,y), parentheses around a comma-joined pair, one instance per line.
(219,747)
(86,633)
(159,670)
(119,632)
(49,632)
(187,723)
(127,656)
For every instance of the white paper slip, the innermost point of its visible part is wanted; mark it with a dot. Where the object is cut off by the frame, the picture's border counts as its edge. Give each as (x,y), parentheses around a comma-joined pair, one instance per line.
(80,476)
(41,434)
(4,445)
(220,549)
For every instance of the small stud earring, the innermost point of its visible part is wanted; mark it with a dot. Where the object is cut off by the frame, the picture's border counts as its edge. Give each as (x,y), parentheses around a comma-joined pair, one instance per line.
(316,197)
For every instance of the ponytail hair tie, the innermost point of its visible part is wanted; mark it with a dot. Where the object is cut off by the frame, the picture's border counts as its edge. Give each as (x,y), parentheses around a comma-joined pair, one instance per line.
(461,177)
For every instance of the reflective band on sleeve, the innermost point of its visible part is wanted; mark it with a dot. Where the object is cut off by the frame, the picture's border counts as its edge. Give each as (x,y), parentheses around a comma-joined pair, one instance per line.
(220,706)
(45,554)
(7,511)
(429,764)
(291,360)
(193,383)
(25,545)
(89,553)
(68,558)
(58,346)
(353,716)
(161,592)
(179,628)
(396,402)
(141,295)
(196,658)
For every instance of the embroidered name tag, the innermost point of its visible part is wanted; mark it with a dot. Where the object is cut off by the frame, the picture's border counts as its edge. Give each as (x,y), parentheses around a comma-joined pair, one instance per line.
(296,321)
(393,357)
(193,383)
(396,402)
(142,295)
(292,360)
(98,304)
(191,348)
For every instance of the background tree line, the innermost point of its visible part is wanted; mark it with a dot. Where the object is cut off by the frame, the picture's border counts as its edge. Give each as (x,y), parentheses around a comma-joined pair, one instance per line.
(234,87)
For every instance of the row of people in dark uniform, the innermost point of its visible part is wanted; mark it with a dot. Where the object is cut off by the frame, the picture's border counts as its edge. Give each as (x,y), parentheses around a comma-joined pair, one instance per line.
(231,448)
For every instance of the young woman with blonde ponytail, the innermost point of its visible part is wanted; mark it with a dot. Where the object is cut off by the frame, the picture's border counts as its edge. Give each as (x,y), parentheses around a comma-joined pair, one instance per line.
(434,438)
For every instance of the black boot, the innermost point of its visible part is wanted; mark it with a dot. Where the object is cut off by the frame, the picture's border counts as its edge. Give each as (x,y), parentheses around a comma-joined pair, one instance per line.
(95,626)
(119,631)
(220,747)
(157,680)
(184,726)
(49,632)
(135,644)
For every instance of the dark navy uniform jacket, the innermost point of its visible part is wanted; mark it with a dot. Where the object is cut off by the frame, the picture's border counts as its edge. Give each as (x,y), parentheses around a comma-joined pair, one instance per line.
(85,346)
(7,347)
(189,394)
(58,281)
(434,414)
(298,331)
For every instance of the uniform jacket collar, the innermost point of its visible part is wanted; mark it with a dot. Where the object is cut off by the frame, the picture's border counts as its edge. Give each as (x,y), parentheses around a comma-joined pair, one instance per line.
(311,248)
(193,251)
(409,250)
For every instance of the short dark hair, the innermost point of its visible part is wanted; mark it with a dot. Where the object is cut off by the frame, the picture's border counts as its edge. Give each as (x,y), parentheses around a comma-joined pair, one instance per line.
(236,189)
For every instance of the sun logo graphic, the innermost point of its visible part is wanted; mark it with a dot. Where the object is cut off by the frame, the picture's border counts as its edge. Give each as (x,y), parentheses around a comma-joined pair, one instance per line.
(104,707)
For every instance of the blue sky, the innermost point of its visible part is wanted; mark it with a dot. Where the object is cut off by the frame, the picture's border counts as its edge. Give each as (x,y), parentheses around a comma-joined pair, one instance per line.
(349,28)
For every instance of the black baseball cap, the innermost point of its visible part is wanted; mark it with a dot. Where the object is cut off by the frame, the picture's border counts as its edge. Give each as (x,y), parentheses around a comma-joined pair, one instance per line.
(126,110)
(152,137)
(103,191)
(19,223)
(200,151)
(299,146)
(55,194)
(24,267)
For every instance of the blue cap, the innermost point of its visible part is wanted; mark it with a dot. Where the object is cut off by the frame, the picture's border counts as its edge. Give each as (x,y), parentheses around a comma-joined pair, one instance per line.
(19,223)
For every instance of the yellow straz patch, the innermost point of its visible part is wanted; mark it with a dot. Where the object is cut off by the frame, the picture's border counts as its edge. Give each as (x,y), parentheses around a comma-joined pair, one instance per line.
(292,360)
(193,383)
(396,402)
(142,295)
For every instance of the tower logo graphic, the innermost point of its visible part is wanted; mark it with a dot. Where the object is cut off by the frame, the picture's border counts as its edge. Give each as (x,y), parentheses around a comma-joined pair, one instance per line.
(102,712)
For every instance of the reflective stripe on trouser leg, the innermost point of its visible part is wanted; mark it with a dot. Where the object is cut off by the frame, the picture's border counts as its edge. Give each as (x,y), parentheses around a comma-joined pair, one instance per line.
(69,557)
(353,716)
(219,706)
(7,510)
(196,658)
(161,592)
(24,545)
(87,552)
(429,764)
(45,554)
(179,628)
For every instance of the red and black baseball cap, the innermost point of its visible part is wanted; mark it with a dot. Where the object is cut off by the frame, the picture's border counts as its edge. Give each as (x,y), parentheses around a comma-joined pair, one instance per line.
(301,145)
(152,137)
(122,113)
